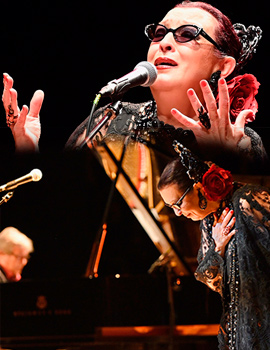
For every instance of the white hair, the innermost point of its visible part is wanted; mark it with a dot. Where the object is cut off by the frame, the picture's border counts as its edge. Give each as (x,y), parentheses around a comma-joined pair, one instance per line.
(11,237)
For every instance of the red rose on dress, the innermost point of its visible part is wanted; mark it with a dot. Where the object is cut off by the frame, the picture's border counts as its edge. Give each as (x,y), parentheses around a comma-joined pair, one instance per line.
(217,183)
(242,92)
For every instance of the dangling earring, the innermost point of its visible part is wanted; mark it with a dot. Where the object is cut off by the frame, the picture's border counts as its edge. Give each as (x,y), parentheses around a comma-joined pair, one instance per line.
(202,201)
(213,82)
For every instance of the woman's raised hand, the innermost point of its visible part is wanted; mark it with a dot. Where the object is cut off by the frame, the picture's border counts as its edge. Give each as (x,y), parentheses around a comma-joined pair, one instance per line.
(220,133)
(24,123)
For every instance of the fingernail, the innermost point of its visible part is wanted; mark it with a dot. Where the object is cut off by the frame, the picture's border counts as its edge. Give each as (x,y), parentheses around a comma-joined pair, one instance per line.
(250,115)
(222,81)
(190,92)
(203,83)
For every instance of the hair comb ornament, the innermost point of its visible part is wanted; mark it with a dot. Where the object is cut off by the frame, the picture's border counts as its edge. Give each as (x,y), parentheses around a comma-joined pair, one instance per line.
(217,182)
(196,168)
(249,38)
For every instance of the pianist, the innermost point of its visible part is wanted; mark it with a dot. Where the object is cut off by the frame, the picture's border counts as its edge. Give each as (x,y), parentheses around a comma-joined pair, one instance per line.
(15,250)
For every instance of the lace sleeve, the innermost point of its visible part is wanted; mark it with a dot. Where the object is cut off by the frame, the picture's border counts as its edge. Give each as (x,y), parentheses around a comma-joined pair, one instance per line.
(256,151)
(211,265)
(252,212)
(254,207)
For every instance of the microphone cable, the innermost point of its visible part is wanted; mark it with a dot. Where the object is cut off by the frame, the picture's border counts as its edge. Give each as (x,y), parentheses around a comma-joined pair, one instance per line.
(94,106)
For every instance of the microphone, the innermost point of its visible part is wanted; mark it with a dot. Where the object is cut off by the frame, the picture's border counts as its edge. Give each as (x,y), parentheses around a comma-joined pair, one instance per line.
(144,74)
(34,175)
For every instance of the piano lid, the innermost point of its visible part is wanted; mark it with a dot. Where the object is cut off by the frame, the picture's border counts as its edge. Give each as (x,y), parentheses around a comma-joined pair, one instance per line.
(135,170)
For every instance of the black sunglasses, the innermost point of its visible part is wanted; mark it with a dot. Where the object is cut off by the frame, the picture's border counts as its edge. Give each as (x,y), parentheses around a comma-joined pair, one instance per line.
(182,34)
(177,205)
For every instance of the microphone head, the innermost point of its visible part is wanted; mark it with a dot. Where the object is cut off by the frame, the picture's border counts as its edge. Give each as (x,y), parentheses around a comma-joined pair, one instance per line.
(151,70)
(36,174)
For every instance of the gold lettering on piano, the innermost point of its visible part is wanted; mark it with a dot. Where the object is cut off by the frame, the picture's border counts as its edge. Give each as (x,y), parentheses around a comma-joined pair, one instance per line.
(35,313)
(42,310)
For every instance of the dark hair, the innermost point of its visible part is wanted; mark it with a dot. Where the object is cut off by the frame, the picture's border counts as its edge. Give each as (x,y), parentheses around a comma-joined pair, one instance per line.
(226,37)
(174,173)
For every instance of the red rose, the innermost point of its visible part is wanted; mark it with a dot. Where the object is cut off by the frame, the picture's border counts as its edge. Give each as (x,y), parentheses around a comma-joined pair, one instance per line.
(242,92)
(217,183)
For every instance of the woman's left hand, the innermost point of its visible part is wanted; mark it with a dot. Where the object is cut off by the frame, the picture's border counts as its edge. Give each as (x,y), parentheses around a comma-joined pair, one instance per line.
(222,134)
(24,123)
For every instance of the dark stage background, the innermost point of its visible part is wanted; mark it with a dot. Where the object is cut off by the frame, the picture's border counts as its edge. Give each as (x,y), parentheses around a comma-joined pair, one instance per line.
(70,49)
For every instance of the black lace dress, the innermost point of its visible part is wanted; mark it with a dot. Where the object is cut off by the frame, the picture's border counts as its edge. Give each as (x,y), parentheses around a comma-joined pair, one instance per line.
(140,122)
(243,277)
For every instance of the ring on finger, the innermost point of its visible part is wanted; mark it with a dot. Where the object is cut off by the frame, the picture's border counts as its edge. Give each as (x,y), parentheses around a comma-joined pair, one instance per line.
(227,230)
(11,120)
(10,110)
(204,118)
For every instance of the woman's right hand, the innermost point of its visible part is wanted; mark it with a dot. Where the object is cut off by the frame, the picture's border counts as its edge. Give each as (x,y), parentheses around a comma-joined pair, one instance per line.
(221,134)
(223,230)
(24,123)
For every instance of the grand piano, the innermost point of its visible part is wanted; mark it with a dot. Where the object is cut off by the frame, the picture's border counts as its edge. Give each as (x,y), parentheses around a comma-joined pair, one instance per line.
(155,306)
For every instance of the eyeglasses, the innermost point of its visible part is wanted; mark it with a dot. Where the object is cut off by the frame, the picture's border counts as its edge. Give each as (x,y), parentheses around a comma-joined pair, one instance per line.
(177,205)
(182,34)
(19,257)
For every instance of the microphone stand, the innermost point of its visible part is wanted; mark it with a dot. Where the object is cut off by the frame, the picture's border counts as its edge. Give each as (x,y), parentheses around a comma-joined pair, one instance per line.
(165,261)
(112,112)
(6,197)
(92,268)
